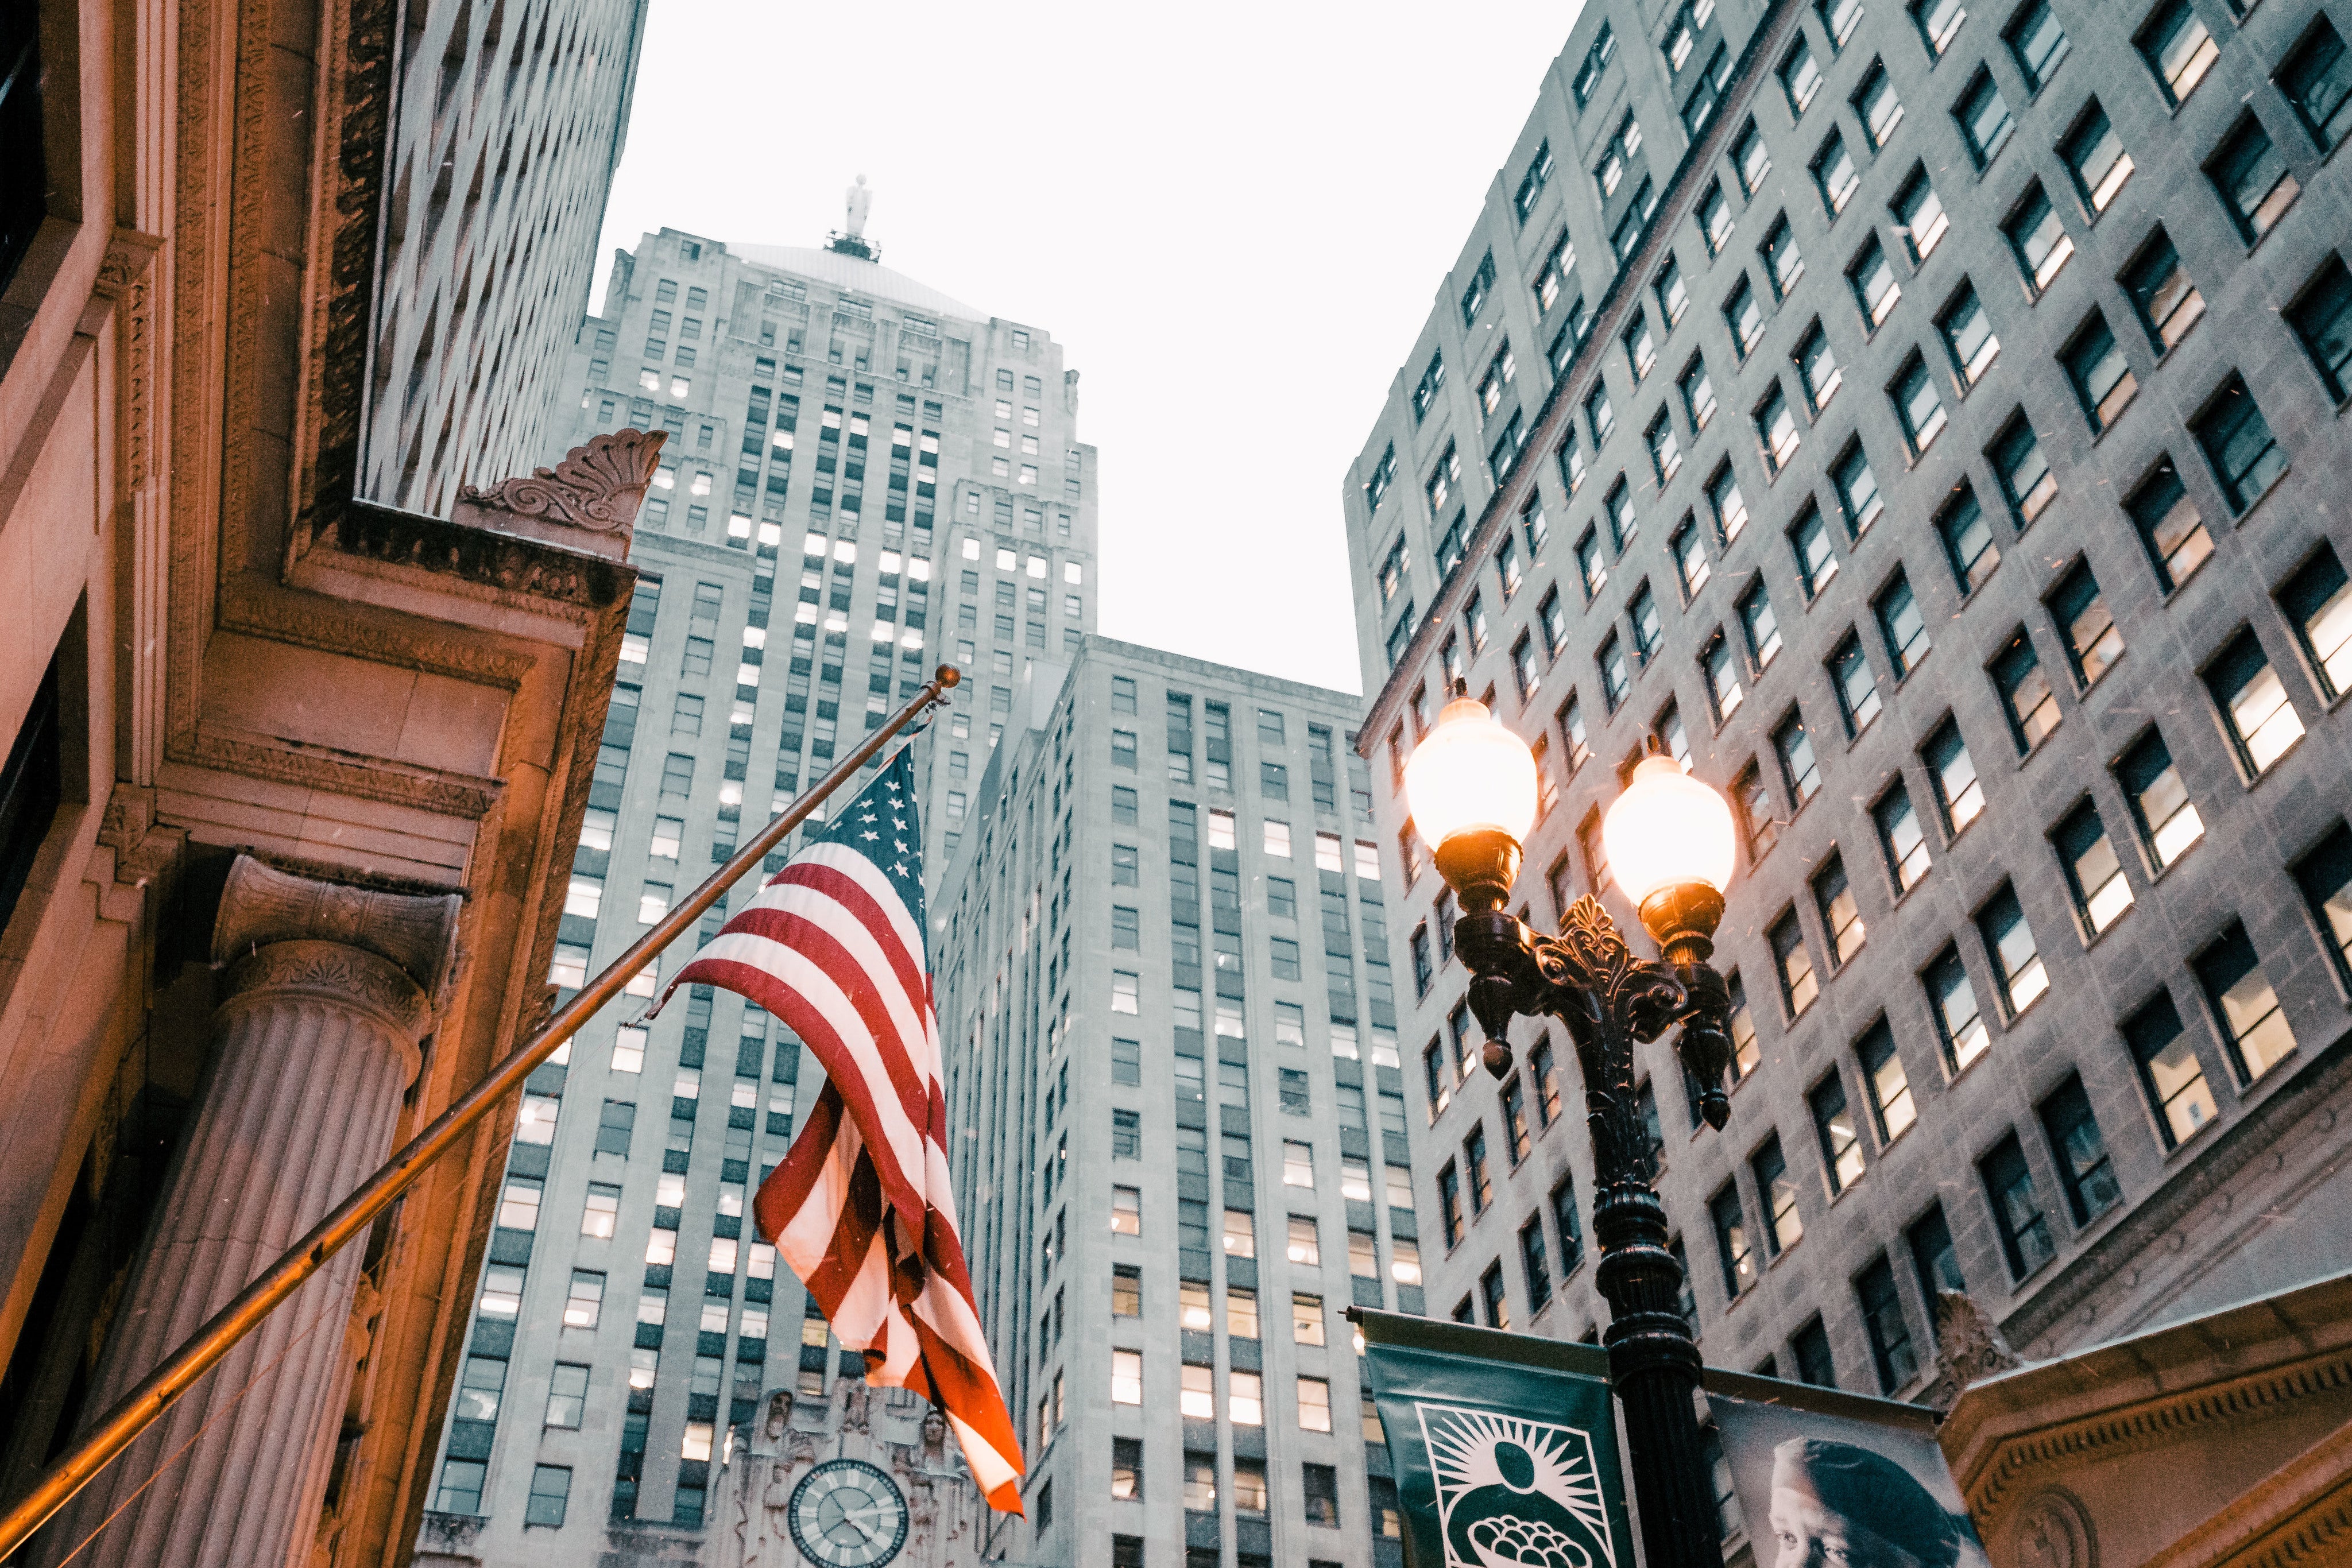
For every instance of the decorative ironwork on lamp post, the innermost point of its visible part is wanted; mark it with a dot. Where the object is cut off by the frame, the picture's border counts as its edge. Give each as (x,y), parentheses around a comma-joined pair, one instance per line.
(1472,787)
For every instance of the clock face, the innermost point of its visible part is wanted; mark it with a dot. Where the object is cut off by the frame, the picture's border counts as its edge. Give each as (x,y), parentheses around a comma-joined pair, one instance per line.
(845,1513)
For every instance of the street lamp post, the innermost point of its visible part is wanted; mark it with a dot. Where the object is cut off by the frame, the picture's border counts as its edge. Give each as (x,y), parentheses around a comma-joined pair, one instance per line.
(1472,787)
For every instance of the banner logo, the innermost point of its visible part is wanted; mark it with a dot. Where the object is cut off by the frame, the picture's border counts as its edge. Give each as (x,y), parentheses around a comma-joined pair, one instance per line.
(1515,1493)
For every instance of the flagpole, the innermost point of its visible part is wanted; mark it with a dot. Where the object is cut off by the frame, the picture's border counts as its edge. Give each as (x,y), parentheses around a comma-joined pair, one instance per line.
(163,1387)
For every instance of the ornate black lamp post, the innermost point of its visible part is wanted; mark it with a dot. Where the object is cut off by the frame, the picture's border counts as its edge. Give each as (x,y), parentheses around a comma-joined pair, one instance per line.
(1472,787)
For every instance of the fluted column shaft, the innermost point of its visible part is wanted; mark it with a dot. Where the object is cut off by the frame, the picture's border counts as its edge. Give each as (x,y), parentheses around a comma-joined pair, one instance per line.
(312,1052)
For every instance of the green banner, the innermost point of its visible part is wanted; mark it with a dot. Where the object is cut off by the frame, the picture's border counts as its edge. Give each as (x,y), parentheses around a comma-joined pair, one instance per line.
(1505,1446)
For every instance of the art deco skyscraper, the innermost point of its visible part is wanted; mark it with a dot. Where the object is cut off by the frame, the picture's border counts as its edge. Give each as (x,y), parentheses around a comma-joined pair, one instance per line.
(862,478)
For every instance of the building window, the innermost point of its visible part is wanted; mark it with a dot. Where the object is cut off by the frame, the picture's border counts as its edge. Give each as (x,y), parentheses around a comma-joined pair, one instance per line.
(2318,603)
(1728,506)
(2238,443)
(2161,809)
(2103,379)
(1799,771)
(1841,917)
(2039,239)
(2167,301)
(2095,154)
(2085,1172)
(2179,49)
(1857,489)
(1901,625)
(2025,476)
(1899,836)
(2009,942)
(1892,1108)
(2253,179)
(1919,404)
(1967,538)
(551,1491)
(2317,80)
(1834,174)
(2085,624)
(1960,794)
(1814,1364)
(1873,283)
(2094,872)
(2016,1208)
(2170,1075)
(1795,965)
(2244,1006)
(2262,721)
(1762,627)
(2025,695)
(1958,1023)
(1745,317)
(1882,1320)
(1833,1125)
(1784,1226)
(1968,335)
(1919,215)
(1737,1258)
(2168,525)
(1984,118)
(1929,1238)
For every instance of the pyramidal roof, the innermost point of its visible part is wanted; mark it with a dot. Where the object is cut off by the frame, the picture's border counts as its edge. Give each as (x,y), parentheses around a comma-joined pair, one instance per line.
(845,271)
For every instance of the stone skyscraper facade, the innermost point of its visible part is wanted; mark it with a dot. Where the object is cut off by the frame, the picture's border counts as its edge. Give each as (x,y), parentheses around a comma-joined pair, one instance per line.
(1920,417)
(1176,1116)
(862,478)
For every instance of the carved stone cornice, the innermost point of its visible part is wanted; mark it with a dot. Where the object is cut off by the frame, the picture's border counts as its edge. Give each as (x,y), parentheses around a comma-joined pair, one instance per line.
(588,501)
(2138,1426)
(262,906)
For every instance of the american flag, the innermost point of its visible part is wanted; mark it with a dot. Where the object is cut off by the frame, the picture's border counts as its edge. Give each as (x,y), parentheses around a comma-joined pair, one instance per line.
(861,1208)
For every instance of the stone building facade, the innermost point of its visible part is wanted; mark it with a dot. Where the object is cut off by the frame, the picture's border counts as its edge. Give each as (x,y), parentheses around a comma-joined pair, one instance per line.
(293,773)
(1177,1124)
(1920,419)
(787,443)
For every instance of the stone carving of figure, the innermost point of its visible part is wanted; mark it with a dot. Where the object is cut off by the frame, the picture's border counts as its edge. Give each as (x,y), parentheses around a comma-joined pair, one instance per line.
(853,1405)
(935,1439)
(859,199)
(780,1415)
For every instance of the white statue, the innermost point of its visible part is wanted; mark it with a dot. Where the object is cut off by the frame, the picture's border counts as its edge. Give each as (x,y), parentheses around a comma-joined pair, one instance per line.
(859,199)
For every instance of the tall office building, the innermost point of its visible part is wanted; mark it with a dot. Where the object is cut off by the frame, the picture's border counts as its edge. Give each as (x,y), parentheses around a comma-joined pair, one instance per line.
(910,469)
(1919,417)
(1178,1126)
(495,198)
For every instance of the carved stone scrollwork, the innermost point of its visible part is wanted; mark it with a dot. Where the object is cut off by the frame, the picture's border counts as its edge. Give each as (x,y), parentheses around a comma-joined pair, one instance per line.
(596,490)
(2054,1530)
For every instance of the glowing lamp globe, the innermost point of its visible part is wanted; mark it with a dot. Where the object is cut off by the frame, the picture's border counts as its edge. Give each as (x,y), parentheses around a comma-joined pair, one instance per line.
(1470,775)
(1668,830)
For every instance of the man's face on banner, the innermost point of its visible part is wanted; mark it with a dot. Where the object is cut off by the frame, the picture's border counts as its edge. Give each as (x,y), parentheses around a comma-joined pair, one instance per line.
(1811,1534)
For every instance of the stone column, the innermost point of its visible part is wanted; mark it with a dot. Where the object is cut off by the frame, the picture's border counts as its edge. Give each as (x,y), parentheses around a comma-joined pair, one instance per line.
(330,992)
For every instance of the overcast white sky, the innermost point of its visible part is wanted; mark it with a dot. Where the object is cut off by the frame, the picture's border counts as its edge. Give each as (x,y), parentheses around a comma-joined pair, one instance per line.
(1233,216)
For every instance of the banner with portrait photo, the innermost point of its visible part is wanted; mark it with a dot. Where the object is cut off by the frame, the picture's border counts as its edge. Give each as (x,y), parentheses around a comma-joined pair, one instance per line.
(1504,1445)
(1825,1477)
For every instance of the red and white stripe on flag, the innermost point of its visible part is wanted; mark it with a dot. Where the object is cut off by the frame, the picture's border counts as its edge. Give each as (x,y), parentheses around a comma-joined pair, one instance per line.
(861,1208)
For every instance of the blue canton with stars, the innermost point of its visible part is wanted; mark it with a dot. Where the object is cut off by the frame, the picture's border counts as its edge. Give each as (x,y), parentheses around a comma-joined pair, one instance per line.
(881,825)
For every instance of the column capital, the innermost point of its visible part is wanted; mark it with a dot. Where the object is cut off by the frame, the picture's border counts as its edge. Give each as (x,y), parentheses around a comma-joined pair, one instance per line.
(416,934)
(339,973)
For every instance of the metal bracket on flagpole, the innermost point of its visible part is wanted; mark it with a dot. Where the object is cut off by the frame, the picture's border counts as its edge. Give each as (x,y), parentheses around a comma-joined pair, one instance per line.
(161,1388)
